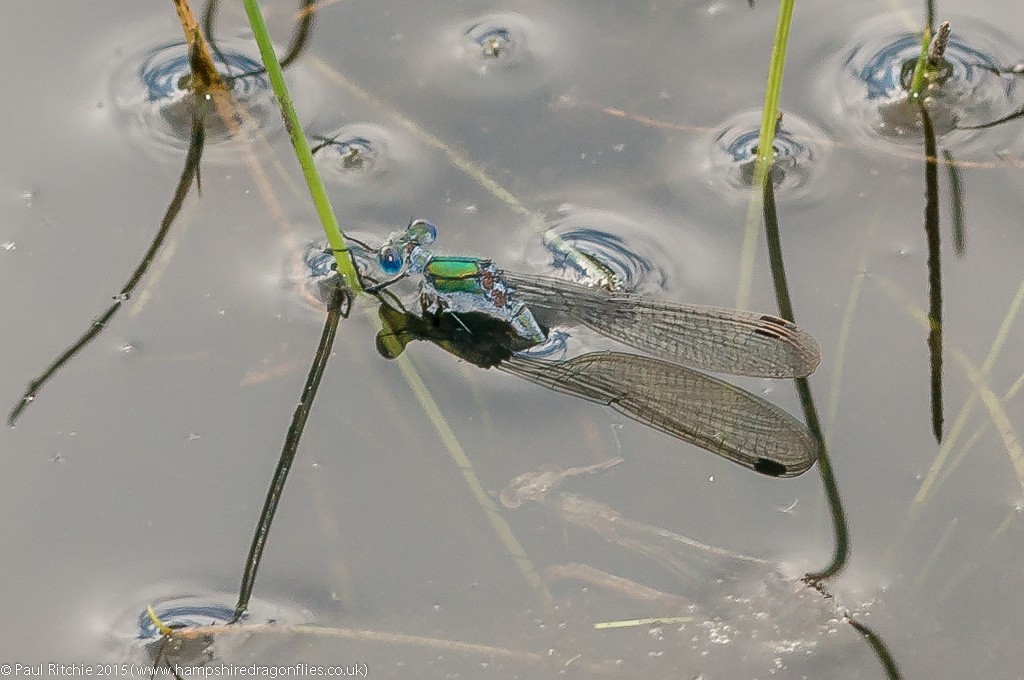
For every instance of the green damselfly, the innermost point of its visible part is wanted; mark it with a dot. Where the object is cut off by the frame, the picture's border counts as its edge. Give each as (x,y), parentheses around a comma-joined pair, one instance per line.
(495,318)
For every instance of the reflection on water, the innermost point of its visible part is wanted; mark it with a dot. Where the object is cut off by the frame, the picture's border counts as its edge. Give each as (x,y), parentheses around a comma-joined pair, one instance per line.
(379,532)
(365,163)
(497,57)
(613,244)
(601,238)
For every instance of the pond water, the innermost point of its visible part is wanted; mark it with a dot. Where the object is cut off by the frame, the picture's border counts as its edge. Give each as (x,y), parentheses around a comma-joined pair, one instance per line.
(138,474)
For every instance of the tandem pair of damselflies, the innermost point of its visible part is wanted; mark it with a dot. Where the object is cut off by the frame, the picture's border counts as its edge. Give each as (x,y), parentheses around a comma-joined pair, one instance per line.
(494,318)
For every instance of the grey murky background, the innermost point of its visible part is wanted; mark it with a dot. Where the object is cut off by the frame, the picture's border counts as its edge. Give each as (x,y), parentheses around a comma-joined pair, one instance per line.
(140,472)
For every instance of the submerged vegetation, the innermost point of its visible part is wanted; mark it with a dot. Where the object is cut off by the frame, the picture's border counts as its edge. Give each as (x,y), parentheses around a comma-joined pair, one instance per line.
(489,317)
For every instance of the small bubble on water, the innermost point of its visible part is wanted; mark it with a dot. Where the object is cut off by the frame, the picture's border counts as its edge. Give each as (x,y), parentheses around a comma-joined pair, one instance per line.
(564,102)
(127,348)
(194,436)
(28,197)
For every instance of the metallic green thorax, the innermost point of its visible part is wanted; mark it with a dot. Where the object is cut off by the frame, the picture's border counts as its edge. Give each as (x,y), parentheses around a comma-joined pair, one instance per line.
(456,274)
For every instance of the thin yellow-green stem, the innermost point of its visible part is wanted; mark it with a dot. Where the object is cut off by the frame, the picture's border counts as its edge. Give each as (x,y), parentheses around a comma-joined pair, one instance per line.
(926,488)
(982,391)
(765,144)
(316,186)
(940,546)
(455,450)
(921,67)
(977,434)
(845,329)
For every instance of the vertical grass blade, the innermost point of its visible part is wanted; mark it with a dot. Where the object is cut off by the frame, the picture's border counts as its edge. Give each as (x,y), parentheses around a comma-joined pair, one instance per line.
(316,186)
(765,142)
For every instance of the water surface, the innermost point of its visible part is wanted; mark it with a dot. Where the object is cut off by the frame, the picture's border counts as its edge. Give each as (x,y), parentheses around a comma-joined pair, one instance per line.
(138,475)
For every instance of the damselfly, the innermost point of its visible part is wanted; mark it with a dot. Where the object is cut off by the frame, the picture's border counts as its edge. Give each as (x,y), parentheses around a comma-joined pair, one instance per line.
(492,318)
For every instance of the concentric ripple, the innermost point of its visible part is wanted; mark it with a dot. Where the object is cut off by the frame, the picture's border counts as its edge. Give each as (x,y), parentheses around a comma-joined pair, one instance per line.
(495,42)
(187,611)
(497,57)
(370,163)
(799,148)
(590,246)
(870,78)
(311,270)
(150,91)
(190,610)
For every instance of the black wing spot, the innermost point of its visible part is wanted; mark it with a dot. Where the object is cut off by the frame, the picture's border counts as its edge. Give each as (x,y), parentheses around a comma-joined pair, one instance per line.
(770,467)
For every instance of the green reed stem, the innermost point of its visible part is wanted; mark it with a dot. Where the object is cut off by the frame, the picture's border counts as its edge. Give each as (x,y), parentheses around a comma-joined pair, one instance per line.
(316,186)
(765,148)
(917,83)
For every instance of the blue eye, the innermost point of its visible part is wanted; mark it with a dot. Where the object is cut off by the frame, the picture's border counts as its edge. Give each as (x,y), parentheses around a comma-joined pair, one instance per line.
(390,260)
(422,231)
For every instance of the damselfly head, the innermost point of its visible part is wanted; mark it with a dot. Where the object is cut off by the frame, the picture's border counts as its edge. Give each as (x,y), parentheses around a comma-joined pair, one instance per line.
(422,232)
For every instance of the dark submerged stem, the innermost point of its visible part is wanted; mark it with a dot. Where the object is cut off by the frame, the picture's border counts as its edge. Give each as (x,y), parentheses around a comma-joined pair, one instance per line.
(209,17)
(1018,113)
(189,174)
(297,44)
(931,227)
(839,525)
(892,670)
(337,308)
